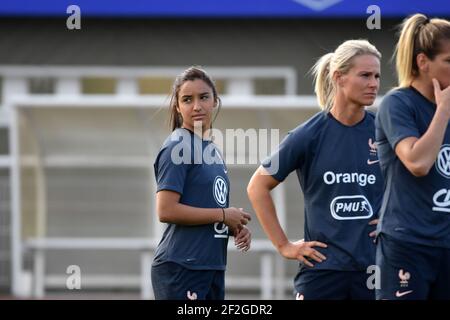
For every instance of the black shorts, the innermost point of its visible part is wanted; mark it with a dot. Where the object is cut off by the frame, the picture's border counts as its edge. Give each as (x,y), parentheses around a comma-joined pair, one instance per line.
(409,271)
(332,285)
(172,281)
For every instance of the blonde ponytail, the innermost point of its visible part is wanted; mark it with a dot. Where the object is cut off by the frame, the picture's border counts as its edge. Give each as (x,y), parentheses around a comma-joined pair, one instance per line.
(404,50)
(418,35)
(323,85)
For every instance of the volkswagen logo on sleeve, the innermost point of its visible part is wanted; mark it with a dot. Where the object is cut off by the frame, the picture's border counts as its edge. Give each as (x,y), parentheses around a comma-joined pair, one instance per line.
(220,191)
(443,161)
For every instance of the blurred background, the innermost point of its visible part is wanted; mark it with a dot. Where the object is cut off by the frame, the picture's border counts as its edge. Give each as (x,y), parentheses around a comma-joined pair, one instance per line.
(83,113)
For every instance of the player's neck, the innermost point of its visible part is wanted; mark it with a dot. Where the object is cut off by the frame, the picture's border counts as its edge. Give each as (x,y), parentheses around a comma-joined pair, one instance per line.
(202,133)
(348,115)
(425,88)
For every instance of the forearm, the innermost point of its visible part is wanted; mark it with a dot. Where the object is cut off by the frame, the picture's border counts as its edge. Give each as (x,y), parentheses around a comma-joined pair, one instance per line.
(424,151)
(187,215)
(264,207)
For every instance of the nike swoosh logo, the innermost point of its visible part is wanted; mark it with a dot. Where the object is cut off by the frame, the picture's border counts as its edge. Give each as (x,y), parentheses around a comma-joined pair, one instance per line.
(372,162)
(399,294)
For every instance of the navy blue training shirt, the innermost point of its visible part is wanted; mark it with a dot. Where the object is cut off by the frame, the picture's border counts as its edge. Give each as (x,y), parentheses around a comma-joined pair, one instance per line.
(337,166)
(194,168)
(415,209)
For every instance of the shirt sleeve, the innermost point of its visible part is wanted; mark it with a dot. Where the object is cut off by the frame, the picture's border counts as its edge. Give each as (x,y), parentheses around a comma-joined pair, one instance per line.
(289,155)
(397,120)
(170,175)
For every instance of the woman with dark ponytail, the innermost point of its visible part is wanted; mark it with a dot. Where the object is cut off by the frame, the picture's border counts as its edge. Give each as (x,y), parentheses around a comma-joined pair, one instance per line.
(193,198)
(413,138)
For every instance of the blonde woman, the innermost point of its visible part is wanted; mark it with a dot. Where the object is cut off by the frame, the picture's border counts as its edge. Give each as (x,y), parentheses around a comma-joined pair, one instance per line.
(335,159)
(413,250)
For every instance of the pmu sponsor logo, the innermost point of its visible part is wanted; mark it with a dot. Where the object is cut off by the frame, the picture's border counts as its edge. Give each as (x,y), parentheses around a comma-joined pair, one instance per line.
(351,208)
(441,201)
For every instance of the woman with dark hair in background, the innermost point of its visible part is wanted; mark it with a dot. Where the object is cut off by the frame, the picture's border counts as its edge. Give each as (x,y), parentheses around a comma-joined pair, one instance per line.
(193,198)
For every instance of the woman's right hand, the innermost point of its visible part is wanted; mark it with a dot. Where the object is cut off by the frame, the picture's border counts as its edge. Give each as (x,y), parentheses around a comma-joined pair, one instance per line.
(442,97)
(236,219)
(301,250)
